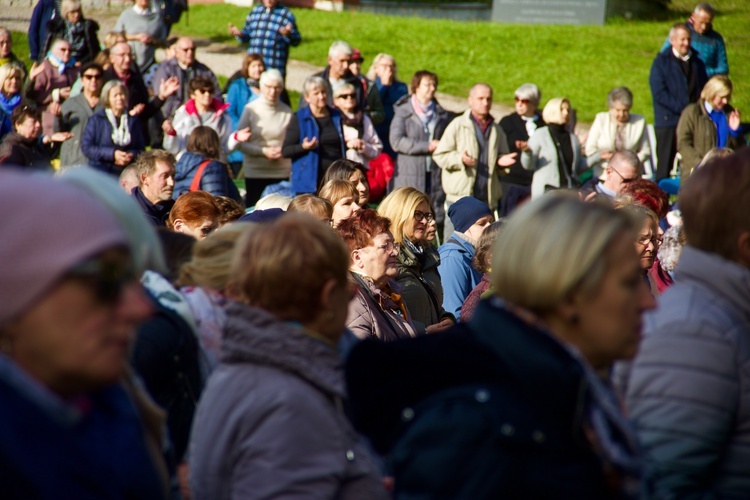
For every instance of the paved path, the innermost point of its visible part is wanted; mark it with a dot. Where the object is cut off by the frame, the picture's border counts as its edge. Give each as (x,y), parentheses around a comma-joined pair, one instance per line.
(223,59)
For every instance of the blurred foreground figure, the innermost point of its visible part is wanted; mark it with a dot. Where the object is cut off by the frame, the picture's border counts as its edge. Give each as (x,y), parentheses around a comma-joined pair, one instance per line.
(72,424)
(512,403)
(688,391)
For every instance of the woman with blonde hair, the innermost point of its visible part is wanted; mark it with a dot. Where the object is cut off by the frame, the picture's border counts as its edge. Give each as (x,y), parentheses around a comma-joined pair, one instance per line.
(11,81)
(523,374)
(709,123)
(553,153)
(318,207)
(203,281)
(271,421)
(343,196)
(410,214)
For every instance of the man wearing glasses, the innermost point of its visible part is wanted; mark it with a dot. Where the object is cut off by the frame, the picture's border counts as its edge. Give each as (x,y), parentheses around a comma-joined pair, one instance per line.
(623,168)
(76,112)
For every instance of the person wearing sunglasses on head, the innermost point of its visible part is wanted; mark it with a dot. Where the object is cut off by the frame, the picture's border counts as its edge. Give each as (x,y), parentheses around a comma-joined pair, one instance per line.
(69,306)
(76,112)
(518,128)
(623,168)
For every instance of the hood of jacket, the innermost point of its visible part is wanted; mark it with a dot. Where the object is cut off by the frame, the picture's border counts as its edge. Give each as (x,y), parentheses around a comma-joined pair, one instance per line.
(217,106)
(256,336)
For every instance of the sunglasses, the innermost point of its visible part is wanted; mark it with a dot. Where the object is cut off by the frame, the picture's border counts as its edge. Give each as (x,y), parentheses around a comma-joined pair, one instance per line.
(346,96)
(107,278)
(92,77)
(522,101)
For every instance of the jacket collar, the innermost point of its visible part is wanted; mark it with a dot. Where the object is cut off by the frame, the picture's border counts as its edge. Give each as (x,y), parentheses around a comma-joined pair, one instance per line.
(217,106)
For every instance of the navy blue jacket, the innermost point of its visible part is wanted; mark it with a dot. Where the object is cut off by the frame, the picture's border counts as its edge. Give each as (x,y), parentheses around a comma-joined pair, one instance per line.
(44,11)
(157,214)
(305,167)
(98,147)
(669,87)
(493,408)
(215,179)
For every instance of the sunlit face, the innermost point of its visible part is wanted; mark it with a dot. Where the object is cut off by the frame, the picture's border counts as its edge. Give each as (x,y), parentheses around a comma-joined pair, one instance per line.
(619,176)
(159,186)
(719,101)
(476,229)
(269,4)
(29,128)
(73,16)
(565,112)
(378,260)
(255,69)
(61,50)
(6,44)
(355,67)
(346,101)
(343,209)
(647,244)
(701,21)
(525,107)
(120,57)
(118,100)
(143,4)
(619,112)
(431,231)
(680,42)
(271,91)
(198,230)
(202,98)
(480,101)
(339,63)
(316,97)
(415,227)
(363,187)
(73,339)
(610,318)
(92,81)
(425,91)
(12,85)
(185,51)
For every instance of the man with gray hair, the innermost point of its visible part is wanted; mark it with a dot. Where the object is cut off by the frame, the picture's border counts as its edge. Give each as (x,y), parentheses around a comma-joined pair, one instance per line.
(623,168)
(705,41)
(6,51)
(337,73)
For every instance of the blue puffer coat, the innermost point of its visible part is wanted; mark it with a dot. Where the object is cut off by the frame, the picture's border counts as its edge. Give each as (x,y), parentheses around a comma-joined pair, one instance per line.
(97,144)
(215,179)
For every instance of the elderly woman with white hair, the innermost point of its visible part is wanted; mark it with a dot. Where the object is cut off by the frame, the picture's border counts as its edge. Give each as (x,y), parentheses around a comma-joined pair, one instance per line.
(267,118)
(616,130)
(518,128)
(81,33)
(512,403)
(362,142)
(384,72)
(314,138)
(553,153)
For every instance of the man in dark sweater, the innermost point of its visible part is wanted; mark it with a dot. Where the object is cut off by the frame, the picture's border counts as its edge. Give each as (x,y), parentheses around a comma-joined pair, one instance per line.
(154,193)
(676,79)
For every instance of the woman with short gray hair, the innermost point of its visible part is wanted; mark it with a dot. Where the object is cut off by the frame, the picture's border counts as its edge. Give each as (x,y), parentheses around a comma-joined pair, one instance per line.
(314,138)
(616,130)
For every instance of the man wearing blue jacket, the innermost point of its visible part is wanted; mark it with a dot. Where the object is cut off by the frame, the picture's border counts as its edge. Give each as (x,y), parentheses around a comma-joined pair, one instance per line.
(469,217)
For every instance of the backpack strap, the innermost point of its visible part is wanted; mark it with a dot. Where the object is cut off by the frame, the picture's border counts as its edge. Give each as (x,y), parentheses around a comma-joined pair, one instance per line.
(196,184)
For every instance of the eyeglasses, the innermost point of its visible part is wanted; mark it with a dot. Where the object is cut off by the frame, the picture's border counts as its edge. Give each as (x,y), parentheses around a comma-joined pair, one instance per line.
(644,240)
(108,278)
(420,216)
(624,180)
(390,247)
(346,96)
(522,101)
(92,77)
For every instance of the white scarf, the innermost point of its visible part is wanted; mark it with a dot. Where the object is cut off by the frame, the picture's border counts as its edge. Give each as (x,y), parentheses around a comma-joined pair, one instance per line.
(121,132)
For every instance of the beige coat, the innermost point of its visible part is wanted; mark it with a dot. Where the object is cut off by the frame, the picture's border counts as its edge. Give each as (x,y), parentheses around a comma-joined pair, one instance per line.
(458,179)
(268,123)
(602,138)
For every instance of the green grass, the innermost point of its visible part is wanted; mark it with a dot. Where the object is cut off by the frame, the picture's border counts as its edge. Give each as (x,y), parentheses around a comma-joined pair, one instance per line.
(579,62)
(21,47)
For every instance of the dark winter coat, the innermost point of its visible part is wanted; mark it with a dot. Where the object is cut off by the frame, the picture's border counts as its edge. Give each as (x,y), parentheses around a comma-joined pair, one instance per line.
(157,214)
(18,151)
(90,47)
(215,179)
(669,87)
(44,11)
(98,147)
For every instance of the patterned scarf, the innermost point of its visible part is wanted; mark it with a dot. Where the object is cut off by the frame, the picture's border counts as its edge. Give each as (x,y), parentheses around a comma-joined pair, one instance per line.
(426,114)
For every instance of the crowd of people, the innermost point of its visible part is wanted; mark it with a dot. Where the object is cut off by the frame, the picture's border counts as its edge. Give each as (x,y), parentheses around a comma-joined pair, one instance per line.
(398,301)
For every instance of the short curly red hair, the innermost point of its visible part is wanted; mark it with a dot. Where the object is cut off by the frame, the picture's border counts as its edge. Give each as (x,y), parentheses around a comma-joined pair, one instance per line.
(648,194)
(359,229)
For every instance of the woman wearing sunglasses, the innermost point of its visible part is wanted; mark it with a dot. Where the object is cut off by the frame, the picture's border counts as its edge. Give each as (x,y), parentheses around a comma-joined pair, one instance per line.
(417,262)
(69,306)
(76,112)
(362,143)
(377,309)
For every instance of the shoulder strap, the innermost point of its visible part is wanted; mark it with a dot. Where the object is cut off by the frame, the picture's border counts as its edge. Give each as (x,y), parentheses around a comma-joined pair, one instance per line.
(196,184)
